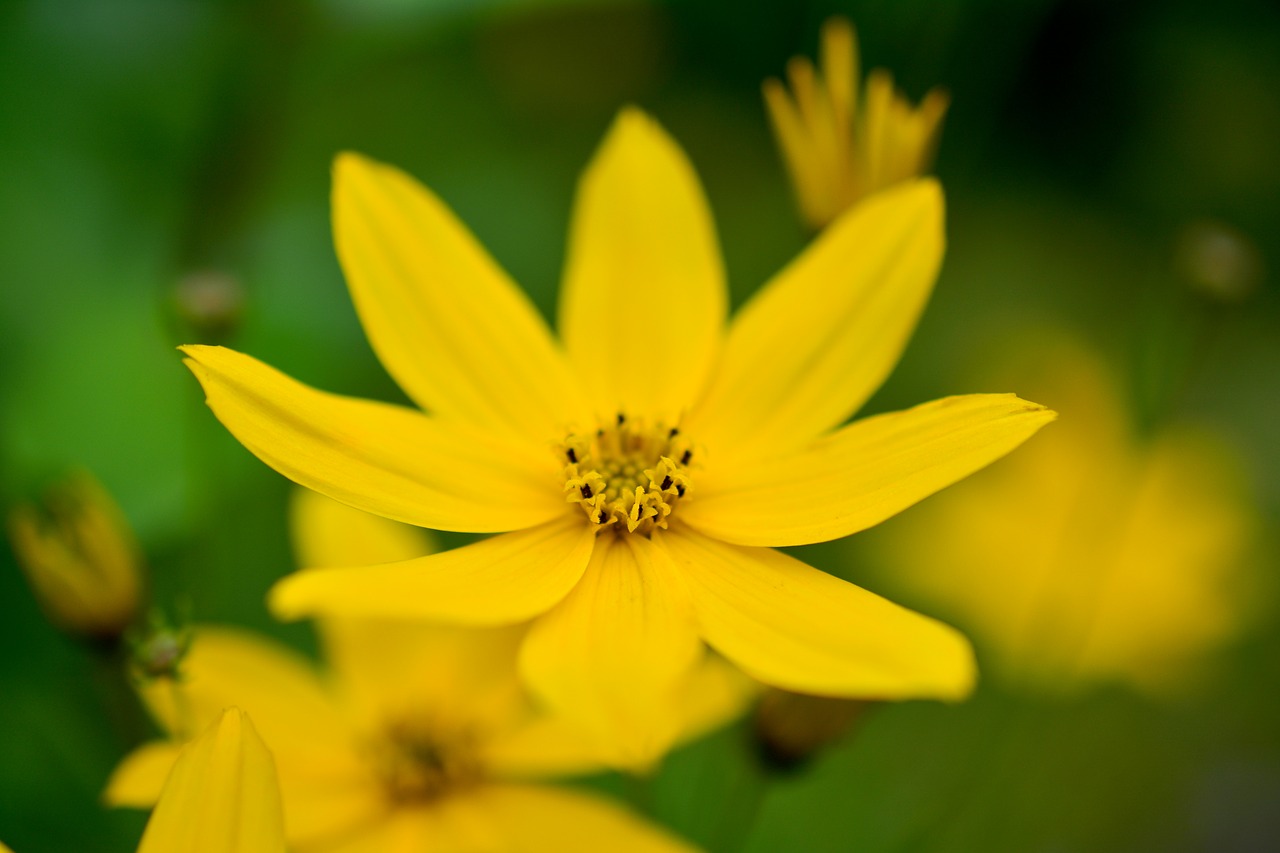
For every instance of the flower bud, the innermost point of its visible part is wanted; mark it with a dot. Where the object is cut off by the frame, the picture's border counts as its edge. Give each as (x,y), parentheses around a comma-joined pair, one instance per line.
(791,727)
(1219,261)
(210,304)
(80,557)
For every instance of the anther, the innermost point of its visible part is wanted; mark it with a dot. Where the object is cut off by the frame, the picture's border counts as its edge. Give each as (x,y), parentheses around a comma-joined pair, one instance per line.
(674,432)
(680,489)
(572,454)
(666,482)
(586,491)
(621,418)
(685,457)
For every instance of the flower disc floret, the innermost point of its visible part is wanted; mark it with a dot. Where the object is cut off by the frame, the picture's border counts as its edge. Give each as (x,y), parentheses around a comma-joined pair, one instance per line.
(628,474)
(420,764)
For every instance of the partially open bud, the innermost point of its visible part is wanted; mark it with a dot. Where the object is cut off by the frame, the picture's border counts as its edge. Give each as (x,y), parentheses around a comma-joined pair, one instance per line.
(791,728)
(844,137)
(80,557)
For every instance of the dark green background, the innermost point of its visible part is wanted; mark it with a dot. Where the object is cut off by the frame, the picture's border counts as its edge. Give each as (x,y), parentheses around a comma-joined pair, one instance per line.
(142,140)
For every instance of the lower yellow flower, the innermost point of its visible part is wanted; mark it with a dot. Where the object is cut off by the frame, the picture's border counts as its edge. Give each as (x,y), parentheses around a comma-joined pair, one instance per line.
(416,737)
(80,557)
(640,475)
(1094,556)
(221,795)
(840,141)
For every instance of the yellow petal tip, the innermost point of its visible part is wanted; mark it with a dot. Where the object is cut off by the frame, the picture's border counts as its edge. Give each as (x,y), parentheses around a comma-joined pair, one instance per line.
(283,602)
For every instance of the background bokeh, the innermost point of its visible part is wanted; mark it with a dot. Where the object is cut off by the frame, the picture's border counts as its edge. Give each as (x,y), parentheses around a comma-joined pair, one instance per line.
(143,142)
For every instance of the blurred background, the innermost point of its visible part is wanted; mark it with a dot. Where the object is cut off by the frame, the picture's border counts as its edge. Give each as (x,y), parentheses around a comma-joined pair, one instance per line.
(1111,171)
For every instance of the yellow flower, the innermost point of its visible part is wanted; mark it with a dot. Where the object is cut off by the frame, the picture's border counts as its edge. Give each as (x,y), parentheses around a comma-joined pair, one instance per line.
(838,150)
(221,795)
(80,557)
(640,474)
(417,737)
(1093,556)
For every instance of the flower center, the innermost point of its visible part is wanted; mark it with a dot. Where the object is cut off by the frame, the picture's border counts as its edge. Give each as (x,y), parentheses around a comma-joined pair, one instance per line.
(417,765)
(628,474)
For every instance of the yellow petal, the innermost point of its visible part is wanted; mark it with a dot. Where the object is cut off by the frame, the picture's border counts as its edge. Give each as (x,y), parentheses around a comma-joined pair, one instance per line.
(863,473)
(532,819)
(792,626)
(327,533)
(839,60)
(465,677)
(807,351)
(496,581)
(715,694)
(138,779)
(221,797)
(459,336)
(644,296)
(325,782)
(383,459)
(546,746)
(451,825)
(231,666)
(613,652)
(710,695)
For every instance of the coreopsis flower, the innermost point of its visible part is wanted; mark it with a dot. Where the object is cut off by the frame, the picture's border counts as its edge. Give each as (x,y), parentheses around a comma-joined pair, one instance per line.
(221,795)
(414,737)
(1097,555)
(842,141)
(640,474)
(80,557)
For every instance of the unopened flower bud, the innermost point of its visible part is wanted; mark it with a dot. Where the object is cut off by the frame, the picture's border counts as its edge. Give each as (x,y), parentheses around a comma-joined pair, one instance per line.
(159,652)
(80,557)
(1218,260)
(791,727)
(210,303)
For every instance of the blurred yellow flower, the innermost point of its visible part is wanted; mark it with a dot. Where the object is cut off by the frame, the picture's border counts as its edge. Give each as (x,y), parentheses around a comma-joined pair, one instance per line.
(80,557)
(640,475)
(842,142)
(221,795)
(416,737)
(1094,555)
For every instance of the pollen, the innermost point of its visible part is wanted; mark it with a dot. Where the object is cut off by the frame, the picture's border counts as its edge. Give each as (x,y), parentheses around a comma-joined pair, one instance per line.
(628,475)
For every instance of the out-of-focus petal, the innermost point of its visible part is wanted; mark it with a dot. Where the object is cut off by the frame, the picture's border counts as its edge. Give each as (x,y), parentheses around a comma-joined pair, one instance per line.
(222,796)
(325,532)
(532,819)
(139,778)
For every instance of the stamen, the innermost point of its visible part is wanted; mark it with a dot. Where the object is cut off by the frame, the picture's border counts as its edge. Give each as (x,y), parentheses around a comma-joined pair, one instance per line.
(626,474)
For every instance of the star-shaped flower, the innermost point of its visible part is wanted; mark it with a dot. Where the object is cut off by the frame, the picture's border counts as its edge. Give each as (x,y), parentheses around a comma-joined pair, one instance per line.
(641,471)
